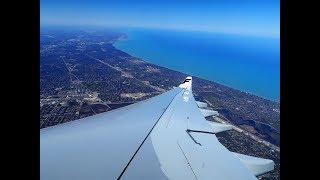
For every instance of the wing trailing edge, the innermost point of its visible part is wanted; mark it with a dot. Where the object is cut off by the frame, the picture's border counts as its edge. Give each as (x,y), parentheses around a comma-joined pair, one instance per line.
(201,104)
(208,112)
(257,165)
(218,127)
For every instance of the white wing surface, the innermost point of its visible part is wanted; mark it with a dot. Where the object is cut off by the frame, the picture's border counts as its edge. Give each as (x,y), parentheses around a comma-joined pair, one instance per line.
(165,137)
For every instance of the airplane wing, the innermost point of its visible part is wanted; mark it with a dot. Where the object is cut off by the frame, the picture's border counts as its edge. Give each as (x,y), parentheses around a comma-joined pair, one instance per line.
(164,137)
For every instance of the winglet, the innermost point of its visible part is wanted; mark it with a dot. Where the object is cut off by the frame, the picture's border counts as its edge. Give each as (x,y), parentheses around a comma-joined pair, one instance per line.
(187,83)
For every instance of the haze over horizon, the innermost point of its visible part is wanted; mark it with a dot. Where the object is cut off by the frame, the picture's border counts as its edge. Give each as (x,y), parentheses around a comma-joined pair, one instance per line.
(248,17)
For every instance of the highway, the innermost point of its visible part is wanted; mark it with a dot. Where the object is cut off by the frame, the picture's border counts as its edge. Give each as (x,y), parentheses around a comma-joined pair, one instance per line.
(128,75)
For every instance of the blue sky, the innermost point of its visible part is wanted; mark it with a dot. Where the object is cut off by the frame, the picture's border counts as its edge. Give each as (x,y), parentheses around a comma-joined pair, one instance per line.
(255,17)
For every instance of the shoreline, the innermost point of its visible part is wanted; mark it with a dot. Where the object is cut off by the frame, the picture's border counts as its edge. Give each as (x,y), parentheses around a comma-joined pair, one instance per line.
(125,36)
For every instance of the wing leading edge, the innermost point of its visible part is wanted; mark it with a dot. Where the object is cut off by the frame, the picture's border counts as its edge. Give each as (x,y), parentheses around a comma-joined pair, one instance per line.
(165,137)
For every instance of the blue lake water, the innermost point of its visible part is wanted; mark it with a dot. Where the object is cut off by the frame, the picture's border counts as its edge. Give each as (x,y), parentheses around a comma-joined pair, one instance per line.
(247,63)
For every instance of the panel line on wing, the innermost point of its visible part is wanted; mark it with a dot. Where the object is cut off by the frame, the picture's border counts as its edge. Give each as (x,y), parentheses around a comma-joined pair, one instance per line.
(145,138)
(169,120)
(187,160)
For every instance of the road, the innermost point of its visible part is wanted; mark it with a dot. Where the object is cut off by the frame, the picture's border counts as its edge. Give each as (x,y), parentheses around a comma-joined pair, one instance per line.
(254,137)
(126,74)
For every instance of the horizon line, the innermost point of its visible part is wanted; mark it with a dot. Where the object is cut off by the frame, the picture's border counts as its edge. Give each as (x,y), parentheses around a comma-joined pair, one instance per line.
(257,34)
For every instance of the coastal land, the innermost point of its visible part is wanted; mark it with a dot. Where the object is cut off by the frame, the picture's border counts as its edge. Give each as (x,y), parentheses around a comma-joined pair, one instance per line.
(82,74)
